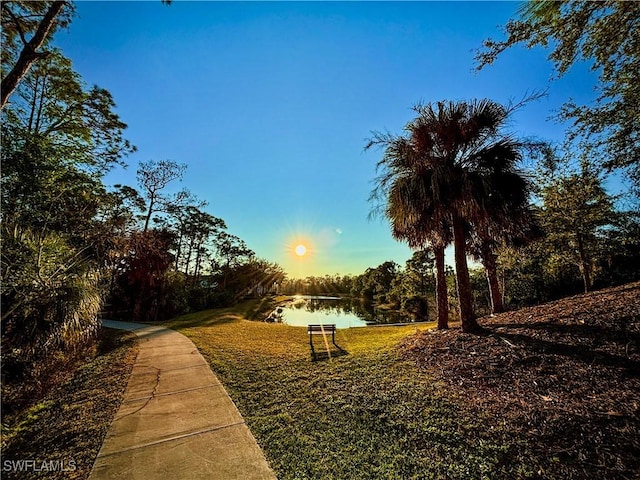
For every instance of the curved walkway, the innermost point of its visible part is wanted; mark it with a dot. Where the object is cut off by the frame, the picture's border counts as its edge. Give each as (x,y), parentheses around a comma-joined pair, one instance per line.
(176,420)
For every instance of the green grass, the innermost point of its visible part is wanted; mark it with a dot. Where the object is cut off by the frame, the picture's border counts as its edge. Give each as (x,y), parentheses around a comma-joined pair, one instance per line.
(361,415)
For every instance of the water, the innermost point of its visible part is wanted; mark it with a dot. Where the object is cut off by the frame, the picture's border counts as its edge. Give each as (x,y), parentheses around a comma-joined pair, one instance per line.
(343,312)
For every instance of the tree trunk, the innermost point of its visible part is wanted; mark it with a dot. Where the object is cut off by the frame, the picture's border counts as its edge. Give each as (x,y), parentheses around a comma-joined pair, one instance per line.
(188,261)
(196,273)
(489,262)
(463,283)
(34,100)
(29,53)
(442,301)
(152,199)
(585,266)
(179,250)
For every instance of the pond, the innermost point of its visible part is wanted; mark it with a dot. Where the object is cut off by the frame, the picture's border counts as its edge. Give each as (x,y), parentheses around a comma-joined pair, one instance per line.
(304,310)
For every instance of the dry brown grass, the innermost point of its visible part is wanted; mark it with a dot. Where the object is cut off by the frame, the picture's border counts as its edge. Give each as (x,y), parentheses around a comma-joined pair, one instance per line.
(69,423)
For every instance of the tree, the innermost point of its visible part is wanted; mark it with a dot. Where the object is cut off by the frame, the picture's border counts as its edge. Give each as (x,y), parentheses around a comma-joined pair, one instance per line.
(576,210)
(144,260)
(441,179)
(58,139)
(506,217)
(19,19)
(418,307)
(419,270)
(413,285)
(382,278)
(256,277)
(621,264)
(196,229)
(120,209)
(53,105)
(496,232)
(605,34)
(22,18)
(231,252)
(524,278)
(153,177)
(404,195)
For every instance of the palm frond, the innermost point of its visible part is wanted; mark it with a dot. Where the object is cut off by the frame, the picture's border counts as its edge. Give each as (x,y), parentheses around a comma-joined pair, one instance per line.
(455,159)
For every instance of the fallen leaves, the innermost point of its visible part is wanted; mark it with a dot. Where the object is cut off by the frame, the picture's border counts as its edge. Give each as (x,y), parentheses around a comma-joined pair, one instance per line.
(565,376)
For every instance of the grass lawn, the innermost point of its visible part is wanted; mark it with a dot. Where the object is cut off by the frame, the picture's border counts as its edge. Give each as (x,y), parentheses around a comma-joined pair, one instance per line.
(548,392)
(365,414)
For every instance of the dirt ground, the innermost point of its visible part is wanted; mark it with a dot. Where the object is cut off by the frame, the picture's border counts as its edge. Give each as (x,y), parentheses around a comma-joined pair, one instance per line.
(562,379)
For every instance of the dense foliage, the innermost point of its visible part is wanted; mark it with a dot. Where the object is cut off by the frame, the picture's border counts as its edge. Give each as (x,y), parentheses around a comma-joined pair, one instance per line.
(73,247)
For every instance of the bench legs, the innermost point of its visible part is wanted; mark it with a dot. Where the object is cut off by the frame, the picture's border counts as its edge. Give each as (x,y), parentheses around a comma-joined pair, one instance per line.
(333,340)
(313,351)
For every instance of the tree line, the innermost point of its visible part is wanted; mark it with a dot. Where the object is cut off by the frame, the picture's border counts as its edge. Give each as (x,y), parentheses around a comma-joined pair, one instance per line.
(580,238)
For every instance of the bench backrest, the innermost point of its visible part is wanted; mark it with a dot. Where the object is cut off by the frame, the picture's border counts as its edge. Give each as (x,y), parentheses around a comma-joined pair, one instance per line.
(319,328)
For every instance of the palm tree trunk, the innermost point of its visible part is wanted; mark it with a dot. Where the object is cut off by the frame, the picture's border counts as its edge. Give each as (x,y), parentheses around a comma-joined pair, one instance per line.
(491,270)
(463,283)
(442,301)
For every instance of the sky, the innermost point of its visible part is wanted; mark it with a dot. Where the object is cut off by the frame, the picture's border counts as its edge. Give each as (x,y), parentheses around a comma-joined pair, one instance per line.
(270,105)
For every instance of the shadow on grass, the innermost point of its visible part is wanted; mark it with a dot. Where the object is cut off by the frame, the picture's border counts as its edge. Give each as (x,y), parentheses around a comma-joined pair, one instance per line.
(111,339)
(201,322)
(324,355)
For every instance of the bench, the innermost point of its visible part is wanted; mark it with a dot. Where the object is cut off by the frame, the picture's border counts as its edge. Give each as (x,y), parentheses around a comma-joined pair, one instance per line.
(324,330)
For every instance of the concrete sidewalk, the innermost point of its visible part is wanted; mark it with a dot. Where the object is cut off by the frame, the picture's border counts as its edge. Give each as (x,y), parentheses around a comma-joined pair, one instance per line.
(176,420)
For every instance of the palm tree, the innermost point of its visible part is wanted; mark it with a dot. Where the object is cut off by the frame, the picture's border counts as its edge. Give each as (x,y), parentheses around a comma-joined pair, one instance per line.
(506,216)
(442,179)
(426,227)
(517,228)
(413,209)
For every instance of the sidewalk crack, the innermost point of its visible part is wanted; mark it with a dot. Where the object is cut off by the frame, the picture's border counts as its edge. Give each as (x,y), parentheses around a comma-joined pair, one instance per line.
(153,395)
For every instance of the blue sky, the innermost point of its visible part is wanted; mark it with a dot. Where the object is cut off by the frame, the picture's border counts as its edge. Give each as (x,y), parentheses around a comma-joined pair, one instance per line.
(270,104)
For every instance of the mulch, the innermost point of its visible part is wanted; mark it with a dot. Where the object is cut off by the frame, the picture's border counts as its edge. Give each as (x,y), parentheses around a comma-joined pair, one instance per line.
(561,379)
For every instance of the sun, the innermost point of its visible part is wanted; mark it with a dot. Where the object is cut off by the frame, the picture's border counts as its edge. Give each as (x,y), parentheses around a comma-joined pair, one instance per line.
(300,250)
